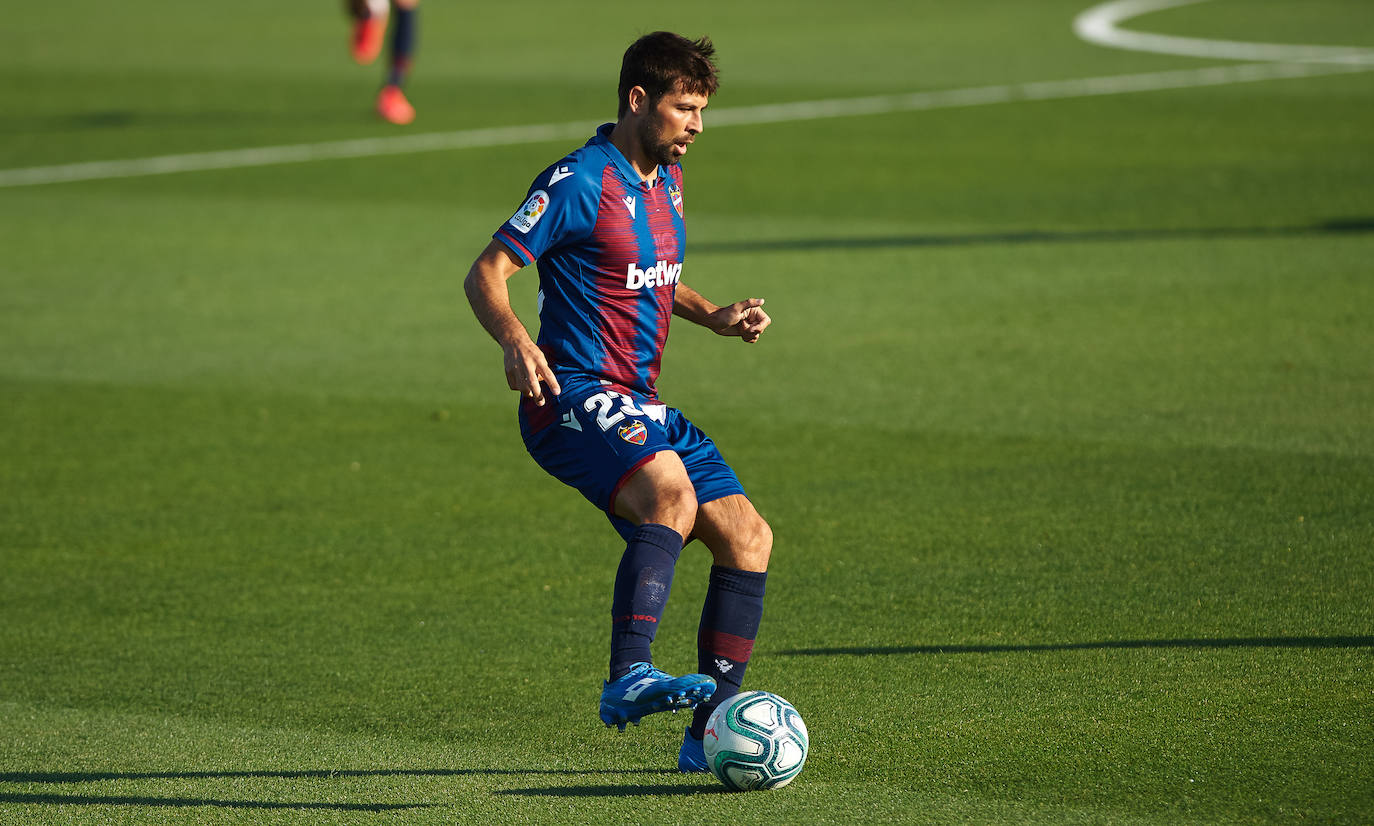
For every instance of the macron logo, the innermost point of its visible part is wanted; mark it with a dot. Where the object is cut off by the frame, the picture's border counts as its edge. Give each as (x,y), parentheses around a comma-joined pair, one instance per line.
(661,274)
(559,174)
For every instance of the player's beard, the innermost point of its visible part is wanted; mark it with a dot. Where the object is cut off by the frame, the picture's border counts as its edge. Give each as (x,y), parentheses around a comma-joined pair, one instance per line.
(657,146)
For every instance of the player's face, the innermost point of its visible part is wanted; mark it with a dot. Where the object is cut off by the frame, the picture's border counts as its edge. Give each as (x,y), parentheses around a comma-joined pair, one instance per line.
(671,126)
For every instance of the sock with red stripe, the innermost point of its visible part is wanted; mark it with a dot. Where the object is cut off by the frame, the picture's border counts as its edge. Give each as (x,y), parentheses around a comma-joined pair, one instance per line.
(402,45)
(729,623)
(642,583)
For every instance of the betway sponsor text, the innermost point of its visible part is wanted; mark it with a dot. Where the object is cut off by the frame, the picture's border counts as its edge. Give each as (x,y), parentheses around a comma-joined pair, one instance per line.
(659,275)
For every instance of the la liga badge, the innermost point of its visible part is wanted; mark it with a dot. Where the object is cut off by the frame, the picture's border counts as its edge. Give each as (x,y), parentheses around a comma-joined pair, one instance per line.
(529,214)
(635,433)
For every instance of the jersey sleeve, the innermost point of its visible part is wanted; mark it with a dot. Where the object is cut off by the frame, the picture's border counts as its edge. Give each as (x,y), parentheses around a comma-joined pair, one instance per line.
(559,208)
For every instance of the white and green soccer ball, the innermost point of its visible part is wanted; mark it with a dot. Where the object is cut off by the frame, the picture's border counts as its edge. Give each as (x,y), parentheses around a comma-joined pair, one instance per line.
(756,740)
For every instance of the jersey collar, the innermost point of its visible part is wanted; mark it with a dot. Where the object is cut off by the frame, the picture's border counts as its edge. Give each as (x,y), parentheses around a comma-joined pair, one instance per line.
(602,140)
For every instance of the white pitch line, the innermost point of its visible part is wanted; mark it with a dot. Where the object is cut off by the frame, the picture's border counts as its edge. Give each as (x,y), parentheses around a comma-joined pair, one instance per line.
(296,153)
(1097,25)
(1008,93)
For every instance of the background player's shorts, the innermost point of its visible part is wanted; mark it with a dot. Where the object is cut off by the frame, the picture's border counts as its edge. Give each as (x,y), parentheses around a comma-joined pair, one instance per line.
(594,438)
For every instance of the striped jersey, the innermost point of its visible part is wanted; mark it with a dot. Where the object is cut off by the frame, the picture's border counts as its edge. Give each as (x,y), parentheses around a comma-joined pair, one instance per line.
(609,248)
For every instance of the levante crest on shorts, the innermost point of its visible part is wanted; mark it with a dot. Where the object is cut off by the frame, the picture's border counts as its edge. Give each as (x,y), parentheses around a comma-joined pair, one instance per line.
(675,196)
(634,432)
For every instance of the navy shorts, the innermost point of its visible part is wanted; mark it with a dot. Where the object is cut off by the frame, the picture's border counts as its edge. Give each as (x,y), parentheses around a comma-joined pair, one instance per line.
(595,437)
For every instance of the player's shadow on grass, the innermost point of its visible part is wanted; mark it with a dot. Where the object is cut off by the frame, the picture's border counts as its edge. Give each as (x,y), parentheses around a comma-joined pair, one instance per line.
(1200,643)
(1338,226)
(24,798)
(306,774)
(190,802)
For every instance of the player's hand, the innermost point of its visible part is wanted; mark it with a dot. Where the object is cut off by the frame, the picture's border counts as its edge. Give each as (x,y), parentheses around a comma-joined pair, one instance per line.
(526,367)
(745,319)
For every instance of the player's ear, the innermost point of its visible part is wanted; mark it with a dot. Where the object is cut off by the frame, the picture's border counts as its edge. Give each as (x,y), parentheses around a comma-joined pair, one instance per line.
(638,100)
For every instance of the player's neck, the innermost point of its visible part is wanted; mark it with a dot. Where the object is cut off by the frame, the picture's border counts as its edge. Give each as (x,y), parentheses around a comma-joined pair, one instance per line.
(626,139)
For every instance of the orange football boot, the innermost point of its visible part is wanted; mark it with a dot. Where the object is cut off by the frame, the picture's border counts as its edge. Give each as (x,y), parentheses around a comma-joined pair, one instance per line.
(368,34)
(393,106)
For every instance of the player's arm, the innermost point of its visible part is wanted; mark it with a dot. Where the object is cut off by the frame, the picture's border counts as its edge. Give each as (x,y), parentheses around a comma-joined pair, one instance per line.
(486,289)
(745,319)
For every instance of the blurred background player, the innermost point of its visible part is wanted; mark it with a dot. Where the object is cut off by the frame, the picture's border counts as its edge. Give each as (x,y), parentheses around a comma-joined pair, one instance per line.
(370,18)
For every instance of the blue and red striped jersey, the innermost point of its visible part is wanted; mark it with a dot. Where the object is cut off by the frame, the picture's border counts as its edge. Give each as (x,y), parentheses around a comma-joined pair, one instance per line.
(609,249)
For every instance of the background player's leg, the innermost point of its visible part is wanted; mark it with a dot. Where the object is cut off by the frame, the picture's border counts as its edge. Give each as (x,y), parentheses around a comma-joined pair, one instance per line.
(391,102)
(403,39)
(740,542)
(659,499)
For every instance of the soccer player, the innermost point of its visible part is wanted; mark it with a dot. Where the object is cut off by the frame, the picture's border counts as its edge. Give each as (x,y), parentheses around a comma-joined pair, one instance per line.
(605,225)
(369,30)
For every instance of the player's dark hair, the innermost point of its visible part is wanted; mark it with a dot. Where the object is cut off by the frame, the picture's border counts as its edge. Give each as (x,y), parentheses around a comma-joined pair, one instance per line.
(659,62)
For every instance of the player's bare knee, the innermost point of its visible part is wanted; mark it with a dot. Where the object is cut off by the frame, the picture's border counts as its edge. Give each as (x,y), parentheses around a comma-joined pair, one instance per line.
(677,508)
(760,545)
(748,546)
(765,539)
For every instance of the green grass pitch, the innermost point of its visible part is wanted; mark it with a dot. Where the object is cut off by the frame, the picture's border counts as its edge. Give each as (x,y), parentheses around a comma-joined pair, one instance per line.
(1065,425)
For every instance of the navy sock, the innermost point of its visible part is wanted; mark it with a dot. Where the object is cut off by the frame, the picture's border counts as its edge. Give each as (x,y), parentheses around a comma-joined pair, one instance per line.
(402,45)
(642,583)
(729,623)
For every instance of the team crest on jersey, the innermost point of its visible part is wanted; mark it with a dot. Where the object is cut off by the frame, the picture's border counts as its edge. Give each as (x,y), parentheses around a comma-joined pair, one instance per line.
(528,215)
(675,196)
(634,432)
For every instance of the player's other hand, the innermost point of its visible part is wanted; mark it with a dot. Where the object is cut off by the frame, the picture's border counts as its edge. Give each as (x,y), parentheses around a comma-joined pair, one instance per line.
(745,319)
(526,368)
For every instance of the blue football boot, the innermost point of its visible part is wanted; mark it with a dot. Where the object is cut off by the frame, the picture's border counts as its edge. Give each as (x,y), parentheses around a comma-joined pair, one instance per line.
(691,758)
(646,690)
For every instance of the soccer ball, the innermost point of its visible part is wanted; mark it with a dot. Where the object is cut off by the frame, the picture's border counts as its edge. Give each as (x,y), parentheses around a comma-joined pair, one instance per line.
(755,740)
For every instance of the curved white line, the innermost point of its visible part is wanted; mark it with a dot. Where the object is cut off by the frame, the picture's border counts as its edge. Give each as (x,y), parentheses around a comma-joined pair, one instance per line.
(1099,25)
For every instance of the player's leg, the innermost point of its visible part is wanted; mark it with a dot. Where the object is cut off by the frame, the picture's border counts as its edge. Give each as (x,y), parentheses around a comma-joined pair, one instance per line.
(659,491)
(737,536)
(404,34)
(658,499)
(740,542)
(631,472)
(391,101)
